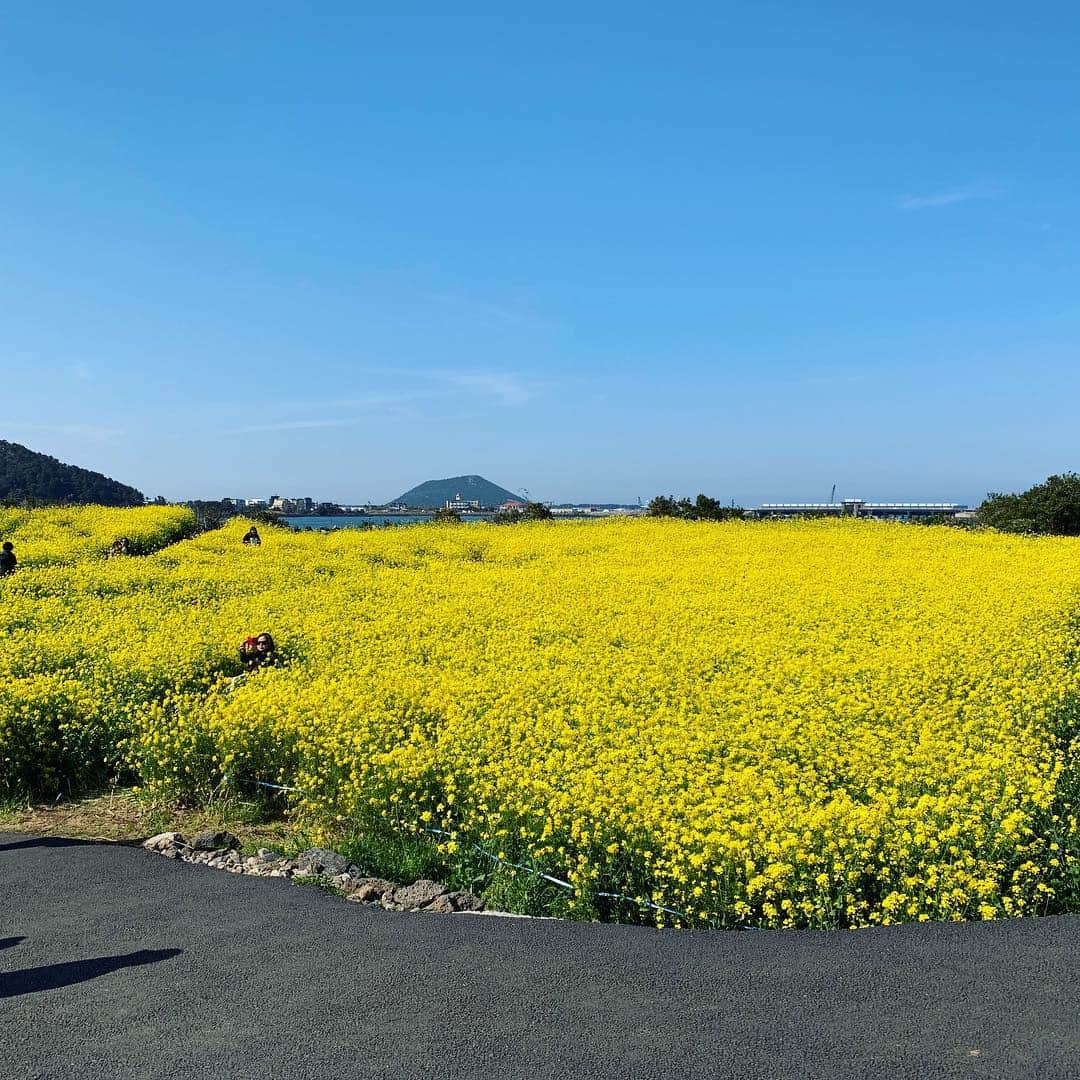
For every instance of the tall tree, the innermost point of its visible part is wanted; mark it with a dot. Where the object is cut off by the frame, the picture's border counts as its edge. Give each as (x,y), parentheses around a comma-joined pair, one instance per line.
(1051,508)
(703,508)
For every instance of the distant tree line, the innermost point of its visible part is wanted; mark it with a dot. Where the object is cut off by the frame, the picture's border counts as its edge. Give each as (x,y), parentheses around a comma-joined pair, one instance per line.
(444,513)
(531,511)
(1051,508)
(703,508)
(323,509)
(213,513)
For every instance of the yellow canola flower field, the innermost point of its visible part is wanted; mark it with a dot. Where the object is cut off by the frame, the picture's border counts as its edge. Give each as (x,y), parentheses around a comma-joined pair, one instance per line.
(67,534)
(821,723)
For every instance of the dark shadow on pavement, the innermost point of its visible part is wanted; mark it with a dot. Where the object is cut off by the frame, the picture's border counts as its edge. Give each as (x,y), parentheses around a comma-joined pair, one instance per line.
(52,976)
(46,841)
(8,942)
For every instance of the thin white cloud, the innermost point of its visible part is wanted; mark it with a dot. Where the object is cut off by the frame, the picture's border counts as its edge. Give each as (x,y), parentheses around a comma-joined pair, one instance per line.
(948,198)
(506,387)
(374,402)
(94,432)
(296,425)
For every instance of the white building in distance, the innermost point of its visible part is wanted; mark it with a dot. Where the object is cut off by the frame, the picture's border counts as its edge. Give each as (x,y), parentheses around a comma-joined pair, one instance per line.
(894,511)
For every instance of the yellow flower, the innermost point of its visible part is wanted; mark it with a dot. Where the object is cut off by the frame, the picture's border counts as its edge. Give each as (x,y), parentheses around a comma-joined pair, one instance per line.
(813,723)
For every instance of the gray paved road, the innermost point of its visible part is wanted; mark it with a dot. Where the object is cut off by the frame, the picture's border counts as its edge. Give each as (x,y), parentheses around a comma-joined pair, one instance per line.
(118,963)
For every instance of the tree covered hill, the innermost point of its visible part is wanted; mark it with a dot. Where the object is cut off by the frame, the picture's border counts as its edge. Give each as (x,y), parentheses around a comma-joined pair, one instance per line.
(27,476)
(435,493)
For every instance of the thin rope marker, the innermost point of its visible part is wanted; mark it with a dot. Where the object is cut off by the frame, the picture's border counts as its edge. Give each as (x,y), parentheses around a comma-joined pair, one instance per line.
(494,858)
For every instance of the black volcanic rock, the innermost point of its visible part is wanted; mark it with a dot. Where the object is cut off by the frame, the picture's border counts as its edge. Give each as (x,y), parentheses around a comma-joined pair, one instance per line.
(27,476)
(435,493)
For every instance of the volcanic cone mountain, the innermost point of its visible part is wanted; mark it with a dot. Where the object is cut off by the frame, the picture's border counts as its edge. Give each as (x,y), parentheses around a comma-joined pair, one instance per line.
(435,493)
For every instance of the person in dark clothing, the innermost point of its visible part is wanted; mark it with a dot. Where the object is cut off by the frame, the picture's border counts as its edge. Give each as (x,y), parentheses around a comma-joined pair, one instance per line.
(257,652)
(121,546)
(252,536)
(7,559)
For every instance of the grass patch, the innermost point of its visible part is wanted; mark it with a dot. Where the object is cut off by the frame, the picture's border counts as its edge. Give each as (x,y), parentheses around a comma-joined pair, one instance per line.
(396,856)
(319,880)
(522,893)
(123,815)
(405,857)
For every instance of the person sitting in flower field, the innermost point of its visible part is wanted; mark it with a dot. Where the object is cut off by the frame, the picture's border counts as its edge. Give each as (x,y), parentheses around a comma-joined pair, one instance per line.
(252,536)
(120,546)
(257,652)
(7,559)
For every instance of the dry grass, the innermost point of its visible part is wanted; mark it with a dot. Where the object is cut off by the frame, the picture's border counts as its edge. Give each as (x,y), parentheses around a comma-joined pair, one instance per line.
(126,816)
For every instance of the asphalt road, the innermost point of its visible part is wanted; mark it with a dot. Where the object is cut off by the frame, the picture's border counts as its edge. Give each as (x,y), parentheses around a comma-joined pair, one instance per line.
(118,963)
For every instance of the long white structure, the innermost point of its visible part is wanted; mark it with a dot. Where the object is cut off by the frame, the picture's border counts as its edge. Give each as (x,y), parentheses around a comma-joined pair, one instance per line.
(896,511)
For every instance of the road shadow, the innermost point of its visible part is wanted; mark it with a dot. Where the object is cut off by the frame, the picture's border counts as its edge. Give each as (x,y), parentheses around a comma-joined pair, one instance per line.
(46,841)
(8,942)
(53,976)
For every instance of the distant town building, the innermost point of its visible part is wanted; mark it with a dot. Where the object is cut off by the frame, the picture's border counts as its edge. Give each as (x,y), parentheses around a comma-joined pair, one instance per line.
(592,511)
(895,511)
(458,503)
(291,506)
(512,506)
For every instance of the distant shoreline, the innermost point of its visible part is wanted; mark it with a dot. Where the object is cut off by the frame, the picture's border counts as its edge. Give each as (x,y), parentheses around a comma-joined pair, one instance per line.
(311,522)
(308,522)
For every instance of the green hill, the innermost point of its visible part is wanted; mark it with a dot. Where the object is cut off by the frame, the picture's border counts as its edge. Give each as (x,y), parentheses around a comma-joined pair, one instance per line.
(435,493)
(27,476)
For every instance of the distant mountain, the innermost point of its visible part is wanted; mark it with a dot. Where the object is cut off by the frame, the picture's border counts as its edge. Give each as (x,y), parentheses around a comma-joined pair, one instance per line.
(27,476)
(436,493)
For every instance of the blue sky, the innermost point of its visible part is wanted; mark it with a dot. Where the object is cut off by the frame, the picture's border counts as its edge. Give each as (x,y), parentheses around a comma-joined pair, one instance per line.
(751,250)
